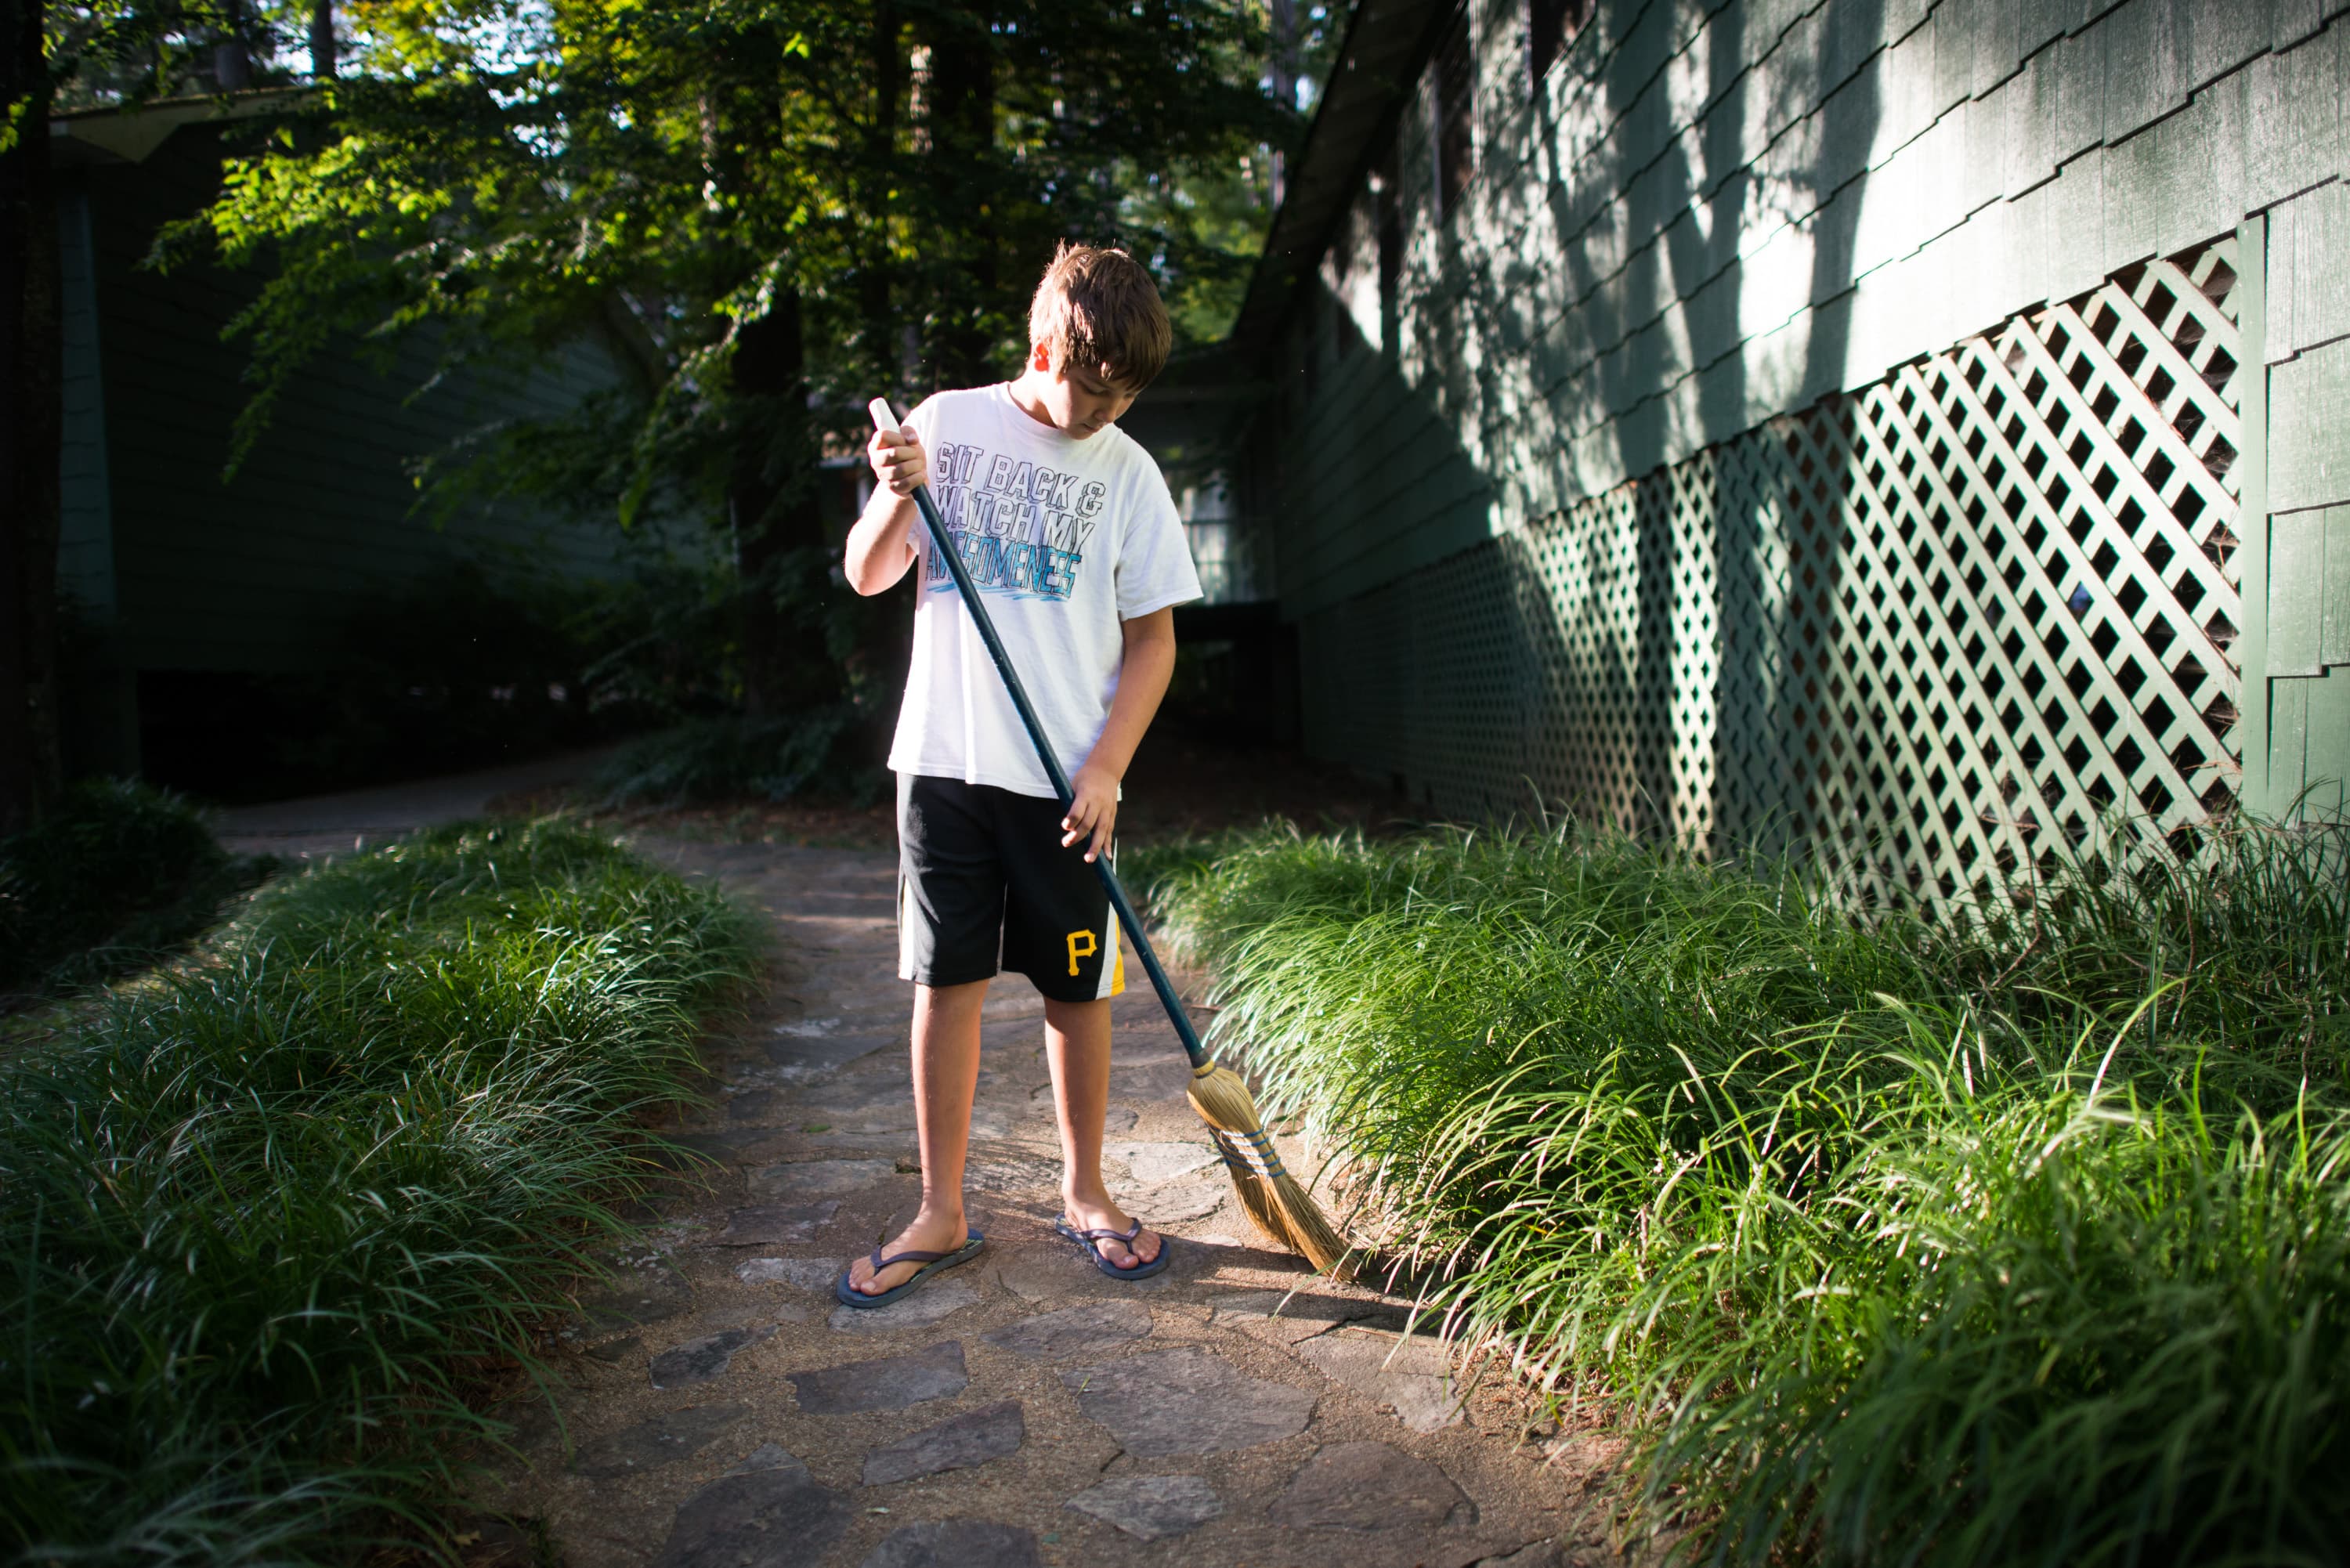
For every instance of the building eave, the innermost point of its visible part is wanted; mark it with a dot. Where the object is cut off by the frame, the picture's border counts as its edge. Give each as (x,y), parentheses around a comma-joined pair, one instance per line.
(1387,42)
(131,132)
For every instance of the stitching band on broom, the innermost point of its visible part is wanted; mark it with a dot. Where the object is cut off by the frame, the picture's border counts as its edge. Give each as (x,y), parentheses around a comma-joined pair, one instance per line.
(1274,1199)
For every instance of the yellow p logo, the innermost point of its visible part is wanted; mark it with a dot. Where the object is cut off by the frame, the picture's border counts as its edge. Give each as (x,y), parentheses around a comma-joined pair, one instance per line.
(1093,946)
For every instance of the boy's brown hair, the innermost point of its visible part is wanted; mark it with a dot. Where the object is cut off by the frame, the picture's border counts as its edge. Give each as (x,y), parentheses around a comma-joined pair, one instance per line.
(1097,310)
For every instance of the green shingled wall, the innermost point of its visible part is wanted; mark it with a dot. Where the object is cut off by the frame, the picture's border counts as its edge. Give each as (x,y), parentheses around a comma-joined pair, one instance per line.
(260,574)
(2301,693)
(1709,218)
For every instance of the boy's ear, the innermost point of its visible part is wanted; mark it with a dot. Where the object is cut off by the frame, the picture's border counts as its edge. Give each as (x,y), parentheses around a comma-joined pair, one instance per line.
(1040,358)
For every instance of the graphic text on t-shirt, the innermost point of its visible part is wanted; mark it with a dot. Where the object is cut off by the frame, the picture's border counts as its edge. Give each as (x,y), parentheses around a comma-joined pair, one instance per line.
(1020,527)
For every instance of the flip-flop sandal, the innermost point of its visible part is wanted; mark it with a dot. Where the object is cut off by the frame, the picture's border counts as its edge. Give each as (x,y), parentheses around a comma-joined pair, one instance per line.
(849,1295)
(1091,1241)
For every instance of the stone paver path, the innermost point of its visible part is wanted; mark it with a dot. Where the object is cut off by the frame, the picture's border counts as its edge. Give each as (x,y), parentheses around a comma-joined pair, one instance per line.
(721,1411)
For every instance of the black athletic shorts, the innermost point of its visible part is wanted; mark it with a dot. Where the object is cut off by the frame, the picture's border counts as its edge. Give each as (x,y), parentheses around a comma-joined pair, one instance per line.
(983,885)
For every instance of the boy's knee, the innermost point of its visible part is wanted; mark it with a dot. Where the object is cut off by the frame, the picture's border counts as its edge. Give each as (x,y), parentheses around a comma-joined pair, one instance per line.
(1078,1018)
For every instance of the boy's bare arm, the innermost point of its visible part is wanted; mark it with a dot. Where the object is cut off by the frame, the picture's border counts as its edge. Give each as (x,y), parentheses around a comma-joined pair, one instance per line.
(1143,672)
(880,546)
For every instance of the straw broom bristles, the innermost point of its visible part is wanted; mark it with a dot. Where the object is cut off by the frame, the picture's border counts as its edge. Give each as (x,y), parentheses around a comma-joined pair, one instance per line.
(1274,1199)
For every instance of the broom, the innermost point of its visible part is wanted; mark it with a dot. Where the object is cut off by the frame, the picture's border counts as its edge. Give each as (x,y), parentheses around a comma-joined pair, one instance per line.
(1274,1199)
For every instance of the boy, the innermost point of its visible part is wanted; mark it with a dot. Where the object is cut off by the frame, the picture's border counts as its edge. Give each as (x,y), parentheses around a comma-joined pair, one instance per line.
(1071,537)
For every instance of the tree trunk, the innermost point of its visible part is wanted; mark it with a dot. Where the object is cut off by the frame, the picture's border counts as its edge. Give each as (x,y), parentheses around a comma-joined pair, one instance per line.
(322,40)
(779,547)
(962,139)
(32,418)
(1283,16)
(232,55)
(881,177)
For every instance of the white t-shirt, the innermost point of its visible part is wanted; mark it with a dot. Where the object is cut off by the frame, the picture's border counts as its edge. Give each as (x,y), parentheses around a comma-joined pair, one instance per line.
(1065,539)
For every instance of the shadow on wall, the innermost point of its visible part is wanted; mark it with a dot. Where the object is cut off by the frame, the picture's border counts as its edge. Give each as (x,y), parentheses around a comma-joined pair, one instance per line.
(1572,657)
(1934,628)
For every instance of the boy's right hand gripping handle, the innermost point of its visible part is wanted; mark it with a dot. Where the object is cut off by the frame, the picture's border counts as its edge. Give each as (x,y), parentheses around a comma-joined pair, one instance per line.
(885,420)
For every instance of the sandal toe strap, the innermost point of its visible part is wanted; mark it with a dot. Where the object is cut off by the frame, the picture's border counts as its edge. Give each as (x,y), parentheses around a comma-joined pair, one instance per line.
(881,1263)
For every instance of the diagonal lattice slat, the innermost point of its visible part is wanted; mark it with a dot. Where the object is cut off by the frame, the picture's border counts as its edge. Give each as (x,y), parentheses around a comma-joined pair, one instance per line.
(1931,629)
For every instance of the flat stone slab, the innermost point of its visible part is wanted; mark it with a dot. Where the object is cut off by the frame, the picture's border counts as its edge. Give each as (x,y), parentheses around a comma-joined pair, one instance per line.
(1174,1204)
(705,1359)
(1073,1331)
(958,1443)
(925,1306)
(765,1457)
(1365,1486)
(1062,1273)
(661,1440)
(1165,1080)
(811,1179)
(957,1543)
(1153,1163)
(1187,1401)
(1410,1373)
(891,1383)
(752,1105)
(639,1296)
(733,1146)
(774,1517)
(776,1224)
(797,1058)
(1034,1173)
(1286,1317)
(1151,1508)
(612,1352)
(859,1097)
(800,1273)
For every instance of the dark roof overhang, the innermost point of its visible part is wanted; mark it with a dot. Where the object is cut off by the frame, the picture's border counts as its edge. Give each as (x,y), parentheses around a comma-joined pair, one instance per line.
(1386,40)
(131,132)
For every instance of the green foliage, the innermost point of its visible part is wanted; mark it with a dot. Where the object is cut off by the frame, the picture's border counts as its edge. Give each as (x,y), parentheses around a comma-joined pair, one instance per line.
(116,872)
(823,752)
(263,1218)
(2021,1237)
(665,179)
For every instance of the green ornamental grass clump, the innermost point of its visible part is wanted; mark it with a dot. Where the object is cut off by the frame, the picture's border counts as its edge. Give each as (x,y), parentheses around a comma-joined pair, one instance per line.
(263,1218)
(116,871)
(2019,1235)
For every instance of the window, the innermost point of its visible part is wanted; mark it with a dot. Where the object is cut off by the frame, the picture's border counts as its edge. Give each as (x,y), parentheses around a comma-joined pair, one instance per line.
(1551,25)
(1456,117)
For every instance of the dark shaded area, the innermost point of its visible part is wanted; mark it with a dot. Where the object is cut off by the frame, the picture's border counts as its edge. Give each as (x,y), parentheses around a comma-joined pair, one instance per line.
(1563,656)
(1192,775)
(31,428)
(467,672)
(115,875)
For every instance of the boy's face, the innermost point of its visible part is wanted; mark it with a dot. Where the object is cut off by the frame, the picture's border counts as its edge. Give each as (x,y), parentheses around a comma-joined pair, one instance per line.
(1080,399)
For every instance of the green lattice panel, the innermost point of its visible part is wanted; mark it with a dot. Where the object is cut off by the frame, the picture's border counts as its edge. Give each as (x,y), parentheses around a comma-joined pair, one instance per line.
(2033,605)
(1932,629)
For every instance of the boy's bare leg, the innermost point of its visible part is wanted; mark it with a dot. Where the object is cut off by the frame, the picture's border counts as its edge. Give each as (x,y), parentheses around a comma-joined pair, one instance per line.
(946,1076)
(1076,1044)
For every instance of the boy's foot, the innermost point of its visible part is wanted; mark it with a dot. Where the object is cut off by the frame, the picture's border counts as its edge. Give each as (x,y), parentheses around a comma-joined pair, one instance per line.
(1109,1216)
(928,1233)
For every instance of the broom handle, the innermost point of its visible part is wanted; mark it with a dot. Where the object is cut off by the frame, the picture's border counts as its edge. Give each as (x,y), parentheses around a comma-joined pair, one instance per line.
(943,542)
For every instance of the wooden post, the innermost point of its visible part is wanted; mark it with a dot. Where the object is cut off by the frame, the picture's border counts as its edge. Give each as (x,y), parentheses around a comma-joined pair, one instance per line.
(2252,500)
